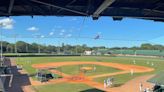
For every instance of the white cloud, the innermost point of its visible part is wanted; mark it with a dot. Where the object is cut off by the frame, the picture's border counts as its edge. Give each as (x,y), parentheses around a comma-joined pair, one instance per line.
(99,33)
(8,27)
(69,35)
(72,27)
(33,28)
(53,29)
(6,23)
(35,34)
(61,34)
(58,26)
(42,36)
(70,30)
(78,29)
(62,30)
(51,33)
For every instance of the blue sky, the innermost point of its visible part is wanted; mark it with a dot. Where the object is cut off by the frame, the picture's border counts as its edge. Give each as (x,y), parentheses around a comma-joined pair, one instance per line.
(80,30)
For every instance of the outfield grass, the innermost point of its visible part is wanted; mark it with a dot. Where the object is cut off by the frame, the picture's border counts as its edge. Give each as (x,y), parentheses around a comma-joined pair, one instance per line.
(119,79)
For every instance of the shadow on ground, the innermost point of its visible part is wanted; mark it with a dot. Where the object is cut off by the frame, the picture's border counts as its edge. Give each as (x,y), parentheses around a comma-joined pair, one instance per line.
(92,90)
(19,80)
(117,85)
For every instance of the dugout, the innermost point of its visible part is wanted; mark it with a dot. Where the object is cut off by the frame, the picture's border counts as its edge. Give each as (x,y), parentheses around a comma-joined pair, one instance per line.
(43,75)
(158,82)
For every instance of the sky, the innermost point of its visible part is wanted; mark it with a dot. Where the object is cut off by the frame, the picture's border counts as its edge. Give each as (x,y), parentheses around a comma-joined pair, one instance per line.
(82,30)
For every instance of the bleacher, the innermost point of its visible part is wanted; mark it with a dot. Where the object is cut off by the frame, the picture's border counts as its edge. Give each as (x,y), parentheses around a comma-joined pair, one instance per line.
(5,74)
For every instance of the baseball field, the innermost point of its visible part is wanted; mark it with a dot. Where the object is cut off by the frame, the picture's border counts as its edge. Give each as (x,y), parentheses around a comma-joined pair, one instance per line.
(87,73)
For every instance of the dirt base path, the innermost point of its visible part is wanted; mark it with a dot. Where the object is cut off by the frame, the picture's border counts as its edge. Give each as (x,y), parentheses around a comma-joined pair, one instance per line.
(131,86)
(109,74)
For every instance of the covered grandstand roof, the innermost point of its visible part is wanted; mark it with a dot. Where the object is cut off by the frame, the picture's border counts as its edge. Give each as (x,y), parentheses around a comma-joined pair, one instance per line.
(118,9)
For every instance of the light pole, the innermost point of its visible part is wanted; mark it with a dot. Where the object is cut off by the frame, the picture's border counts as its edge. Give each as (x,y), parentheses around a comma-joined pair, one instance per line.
(26,47)
(38,48)
(16,51)
(37,38)
(59,48)
(76,48)
(42,36)
(15,36)
(4,23)
(121,51)
(7,48)
(1,46)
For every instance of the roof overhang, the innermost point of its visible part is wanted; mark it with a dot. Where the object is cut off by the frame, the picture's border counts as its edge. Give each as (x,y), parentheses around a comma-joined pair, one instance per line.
(118,9)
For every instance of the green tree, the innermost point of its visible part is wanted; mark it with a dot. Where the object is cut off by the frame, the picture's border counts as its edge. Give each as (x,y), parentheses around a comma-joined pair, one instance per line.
(147,46)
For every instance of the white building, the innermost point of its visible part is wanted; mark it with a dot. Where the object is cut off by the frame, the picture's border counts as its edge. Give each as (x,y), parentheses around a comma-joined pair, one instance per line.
(87,52)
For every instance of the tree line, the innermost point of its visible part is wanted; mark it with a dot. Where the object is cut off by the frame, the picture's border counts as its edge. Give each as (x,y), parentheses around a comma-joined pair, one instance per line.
(24,47)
